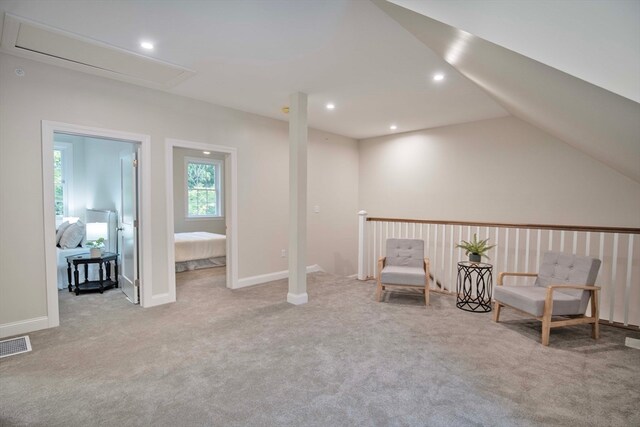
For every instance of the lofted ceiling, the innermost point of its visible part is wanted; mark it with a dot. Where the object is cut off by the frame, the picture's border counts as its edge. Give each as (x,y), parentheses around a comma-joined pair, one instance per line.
(570,68)
(594,120)
(595,40)
(251,54)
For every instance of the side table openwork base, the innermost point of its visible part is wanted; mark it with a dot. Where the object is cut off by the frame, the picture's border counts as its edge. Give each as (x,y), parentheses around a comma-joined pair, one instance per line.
(480,274)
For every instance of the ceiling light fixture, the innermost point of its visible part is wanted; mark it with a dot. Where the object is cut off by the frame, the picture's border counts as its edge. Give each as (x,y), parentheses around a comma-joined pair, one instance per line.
(330,106)
(146,45)
(438,77)
(206,152)
(393,127)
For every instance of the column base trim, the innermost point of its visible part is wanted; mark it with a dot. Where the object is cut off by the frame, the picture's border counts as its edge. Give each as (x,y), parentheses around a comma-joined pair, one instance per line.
(297,299)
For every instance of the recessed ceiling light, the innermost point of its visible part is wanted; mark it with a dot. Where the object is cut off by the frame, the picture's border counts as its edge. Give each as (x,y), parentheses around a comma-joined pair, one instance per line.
(146,45)
(393,127)
(206,152)
(438,77)
(330,106)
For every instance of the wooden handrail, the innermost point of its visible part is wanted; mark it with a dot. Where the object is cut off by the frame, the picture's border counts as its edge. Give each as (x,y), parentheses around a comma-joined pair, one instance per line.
(592,229)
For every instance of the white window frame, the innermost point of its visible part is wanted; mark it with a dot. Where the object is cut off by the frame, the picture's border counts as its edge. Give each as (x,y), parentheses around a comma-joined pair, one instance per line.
(219,166)
(66,148)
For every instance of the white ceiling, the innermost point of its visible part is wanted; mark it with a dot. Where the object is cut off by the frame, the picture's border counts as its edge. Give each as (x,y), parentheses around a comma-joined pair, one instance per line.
(251,54)
(595,40)
(596,121)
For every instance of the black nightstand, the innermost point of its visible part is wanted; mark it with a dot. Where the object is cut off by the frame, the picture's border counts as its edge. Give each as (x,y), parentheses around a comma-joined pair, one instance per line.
(92,285)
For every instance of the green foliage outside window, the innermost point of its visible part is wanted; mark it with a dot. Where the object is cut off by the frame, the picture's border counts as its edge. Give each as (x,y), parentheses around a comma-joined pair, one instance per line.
(58,182)
(201,187)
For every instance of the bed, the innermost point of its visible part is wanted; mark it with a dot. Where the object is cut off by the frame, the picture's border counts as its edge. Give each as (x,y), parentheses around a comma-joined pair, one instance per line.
(199,249)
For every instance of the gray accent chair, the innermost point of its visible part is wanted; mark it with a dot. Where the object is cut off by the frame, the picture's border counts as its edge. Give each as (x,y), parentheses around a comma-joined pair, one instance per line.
(404,266)
(563,287)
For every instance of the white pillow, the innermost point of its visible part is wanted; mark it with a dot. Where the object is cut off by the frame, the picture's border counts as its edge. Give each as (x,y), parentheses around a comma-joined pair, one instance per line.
(72,236)
(61,231)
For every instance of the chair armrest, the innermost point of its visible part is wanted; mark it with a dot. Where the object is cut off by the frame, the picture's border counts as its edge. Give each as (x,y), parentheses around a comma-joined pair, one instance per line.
(583,287)
(426,265)
(505,273)
(548,302)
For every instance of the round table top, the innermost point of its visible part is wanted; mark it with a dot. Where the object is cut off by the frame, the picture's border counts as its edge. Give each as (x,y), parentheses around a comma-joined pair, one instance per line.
(470,264)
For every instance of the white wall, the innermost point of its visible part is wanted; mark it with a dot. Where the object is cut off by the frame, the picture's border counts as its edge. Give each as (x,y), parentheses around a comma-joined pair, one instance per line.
(102,173)
(499,170)
(96,173)
(180,223)
(51,93)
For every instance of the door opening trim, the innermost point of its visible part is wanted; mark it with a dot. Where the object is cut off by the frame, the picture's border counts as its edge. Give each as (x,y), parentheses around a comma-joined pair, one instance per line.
(48,130)
(230,208)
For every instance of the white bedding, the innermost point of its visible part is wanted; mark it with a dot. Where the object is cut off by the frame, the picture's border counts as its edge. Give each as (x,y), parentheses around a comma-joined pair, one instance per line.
(199,245)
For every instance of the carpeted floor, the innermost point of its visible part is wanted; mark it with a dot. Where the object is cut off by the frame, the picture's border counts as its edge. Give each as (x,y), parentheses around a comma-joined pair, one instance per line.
(247,358)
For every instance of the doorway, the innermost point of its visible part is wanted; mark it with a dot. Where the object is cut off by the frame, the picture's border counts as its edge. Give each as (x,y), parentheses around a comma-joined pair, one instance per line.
(222,201)
(102,192)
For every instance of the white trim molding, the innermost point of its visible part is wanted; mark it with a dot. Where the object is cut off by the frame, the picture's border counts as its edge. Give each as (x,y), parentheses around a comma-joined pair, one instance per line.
(48,130)
(632,342)
(297,299)
(270,277)
(230,183)
(24,326)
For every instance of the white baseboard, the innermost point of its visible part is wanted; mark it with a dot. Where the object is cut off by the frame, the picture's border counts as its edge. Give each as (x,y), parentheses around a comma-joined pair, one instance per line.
(633,343)
(23,326)
(270,277)
(297,299)
(159,299)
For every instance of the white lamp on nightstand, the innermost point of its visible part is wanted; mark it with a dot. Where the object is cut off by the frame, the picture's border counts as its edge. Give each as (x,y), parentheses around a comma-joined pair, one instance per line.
(95,231)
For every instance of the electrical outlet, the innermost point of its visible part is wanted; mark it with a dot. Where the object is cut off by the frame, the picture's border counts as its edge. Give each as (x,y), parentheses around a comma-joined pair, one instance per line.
(316,209)
(283,254)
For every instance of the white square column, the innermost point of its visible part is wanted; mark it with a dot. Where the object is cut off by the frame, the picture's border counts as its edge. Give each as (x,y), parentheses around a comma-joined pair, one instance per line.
(298,141)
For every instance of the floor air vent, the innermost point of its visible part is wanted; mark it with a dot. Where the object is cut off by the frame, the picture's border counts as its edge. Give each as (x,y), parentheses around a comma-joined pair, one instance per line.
(14,346)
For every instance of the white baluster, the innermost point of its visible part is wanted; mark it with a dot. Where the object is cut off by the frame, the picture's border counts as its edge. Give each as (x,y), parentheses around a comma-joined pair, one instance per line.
(538,248)
(517,253)
(614,271)
(362,220)
(506,249)
(627,291)
(435,256)
(526,253)
(444,241)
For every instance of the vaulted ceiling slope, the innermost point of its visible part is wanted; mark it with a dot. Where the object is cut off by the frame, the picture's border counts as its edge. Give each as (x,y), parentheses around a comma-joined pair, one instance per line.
(595,40)
(602,124)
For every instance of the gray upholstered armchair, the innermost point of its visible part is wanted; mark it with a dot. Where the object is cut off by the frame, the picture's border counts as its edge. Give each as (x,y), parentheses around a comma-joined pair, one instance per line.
(563,287)
(405,266)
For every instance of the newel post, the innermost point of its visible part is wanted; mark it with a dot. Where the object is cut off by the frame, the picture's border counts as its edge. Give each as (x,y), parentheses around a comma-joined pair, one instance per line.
(362,222)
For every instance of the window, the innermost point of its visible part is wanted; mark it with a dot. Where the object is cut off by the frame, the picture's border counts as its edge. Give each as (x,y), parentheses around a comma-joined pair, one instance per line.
(203,179)
(62,173)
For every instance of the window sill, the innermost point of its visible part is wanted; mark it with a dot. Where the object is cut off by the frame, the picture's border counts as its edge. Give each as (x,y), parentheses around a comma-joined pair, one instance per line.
(204,218)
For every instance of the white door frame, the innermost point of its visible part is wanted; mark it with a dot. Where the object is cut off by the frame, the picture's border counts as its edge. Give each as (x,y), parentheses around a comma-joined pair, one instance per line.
(144,203)
(230,207)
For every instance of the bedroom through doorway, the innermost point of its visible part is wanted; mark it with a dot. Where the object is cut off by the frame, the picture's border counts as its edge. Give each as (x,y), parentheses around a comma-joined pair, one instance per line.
(200,203)
(95,206)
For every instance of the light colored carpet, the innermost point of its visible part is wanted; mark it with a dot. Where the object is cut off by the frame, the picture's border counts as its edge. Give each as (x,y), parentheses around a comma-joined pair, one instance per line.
(247,358)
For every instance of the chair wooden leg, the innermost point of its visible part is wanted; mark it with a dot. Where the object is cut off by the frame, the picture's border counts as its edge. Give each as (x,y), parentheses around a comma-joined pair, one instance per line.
(426,296)
(546,317)
(496,312)
(379,291)
(595,313)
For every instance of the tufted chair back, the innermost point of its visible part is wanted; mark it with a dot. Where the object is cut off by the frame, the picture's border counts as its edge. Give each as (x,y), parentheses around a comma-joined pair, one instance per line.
(405,252)
(559,268)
